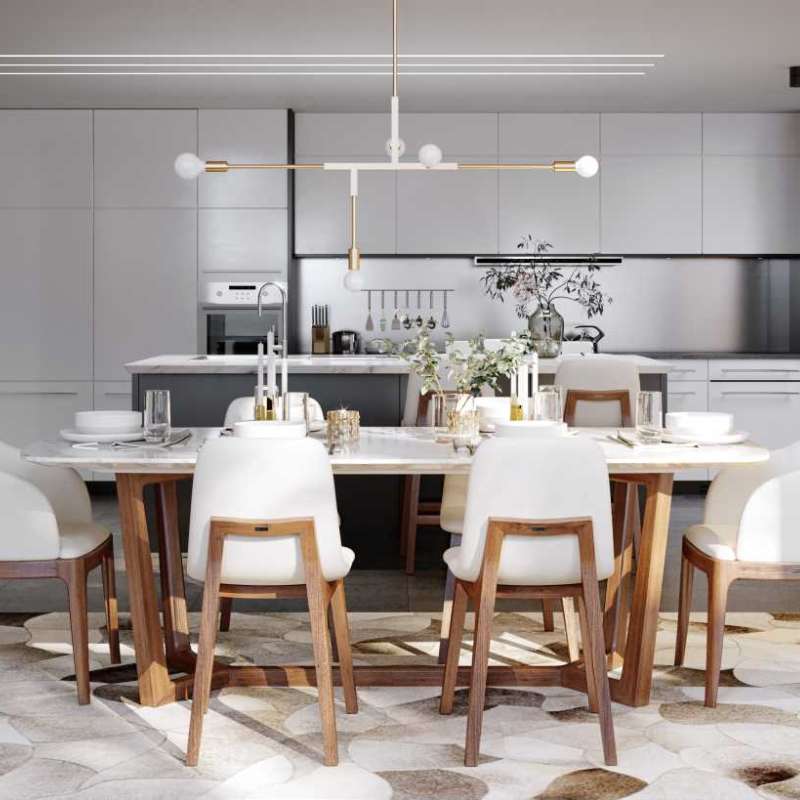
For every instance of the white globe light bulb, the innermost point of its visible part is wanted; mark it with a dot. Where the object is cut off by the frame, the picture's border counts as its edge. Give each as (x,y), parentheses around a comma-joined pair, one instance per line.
(587,166)
(353,280)
(401,147)
(189,166)
(430,155)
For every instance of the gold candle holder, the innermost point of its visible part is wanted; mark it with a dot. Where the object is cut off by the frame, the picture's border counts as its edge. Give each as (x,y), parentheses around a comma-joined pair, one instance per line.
(344,427)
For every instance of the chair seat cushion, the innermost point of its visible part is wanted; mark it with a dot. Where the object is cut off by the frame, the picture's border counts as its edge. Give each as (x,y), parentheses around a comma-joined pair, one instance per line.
(79,538)
(717,541)
(454,502)
(258,574)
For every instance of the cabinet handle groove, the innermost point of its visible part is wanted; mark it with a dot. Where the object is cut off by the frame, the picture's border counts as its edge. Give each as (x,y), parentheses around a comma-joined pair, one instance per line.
(760,394)
(680,394)
(757,371)
(23,393)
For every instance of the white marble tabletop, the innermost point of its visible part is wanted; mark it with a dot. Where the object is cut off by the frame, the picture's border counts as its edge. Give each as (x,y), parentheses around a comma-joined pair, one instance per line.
(390,451)
(378,365)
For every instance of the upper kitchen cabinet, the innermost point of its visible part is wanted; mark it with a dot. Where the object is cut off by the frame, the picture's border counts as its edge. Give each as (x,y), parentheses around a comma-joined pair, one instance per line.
(456,134)
(243,240)
(322,225)
(45,304)
(45,159)
(561,208)
(340,136)
(651,183)
(134,153)
(145,286)
(751,183)
(244,137)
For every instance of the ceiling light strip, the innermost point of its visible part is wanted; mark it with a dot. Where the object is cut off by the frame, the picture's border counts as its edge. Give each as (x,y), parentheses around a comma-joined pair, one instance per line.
(332,65)
(311,74)
(331,55)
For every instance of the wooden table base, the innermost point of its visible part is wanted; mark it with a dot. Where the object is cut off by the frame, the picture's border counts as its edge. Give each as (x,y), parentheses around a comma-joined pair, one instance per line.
(159,654)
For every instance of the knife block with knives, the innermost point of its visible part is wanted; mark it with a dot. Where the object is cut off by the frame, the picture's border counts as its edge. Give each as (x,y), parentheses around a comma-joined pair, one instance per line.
(320,331)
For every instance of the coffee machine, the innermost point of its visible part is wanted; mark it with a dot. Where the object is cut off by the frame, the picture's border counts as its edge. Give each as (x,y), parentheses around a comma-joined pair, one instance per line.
(346,343)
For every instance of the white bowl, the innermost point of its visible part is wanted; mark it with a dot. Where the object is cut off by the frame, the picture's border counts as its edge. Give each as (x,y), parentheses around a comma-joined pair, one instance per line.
(493,409)
(699,423)
(269,429)
(532,429)
(108,421)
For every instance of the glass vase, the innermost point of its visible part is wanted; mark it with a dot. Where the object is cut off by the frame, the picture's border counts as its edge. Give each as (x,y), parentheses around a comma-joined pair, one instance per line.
(547,331)
(445,403)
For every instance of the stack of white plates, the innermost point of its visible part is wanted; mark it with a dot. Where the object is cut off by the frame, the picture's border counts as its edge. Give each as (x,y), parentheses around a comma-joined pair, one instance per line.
(105,426)
(492,410)
(532,429)
(702,427)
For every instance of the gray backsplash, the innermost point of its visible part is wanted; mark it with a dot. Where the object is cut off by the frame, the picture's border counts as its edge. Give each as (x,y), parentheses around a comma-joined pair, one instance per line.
(677,304)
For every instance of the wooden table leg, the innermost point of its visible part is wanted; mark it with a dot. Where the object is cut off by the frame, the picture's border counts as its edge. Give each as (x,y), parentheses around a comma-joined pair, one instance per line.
(637,672)
(155,686)
(617,599)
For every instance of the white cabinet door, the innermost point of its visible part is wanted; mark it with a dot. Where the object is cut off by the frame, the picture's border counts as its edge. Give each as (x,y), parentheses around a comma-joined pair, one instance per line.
(651,204)
(344,137)
(467,134)
(651,134)
(45,301)
(751,204)
(134,153)
(686,369)
(754,369)
(243,240)
(33,411)
(751,134)
(322,211)
(45,159)
(243,137)
(145,292)
(686,395)
(113,396)
(447,212)
(769,410)
(533,135)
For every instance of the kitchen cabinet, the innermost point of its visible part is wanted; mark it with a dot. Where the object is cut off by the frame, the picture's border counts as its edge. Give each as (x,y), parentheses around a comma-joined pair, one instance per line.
(134,153)
(686,369)
(755,369)
(45,159)
(322,222)
(686,395)
(467,134)
(35,410)
(751,204)
(244,137)
(111,396)
(46,300)
(526,136)
(343,137)
(651,204)
(662,134)
(145,292)
(751,134)
(243,240)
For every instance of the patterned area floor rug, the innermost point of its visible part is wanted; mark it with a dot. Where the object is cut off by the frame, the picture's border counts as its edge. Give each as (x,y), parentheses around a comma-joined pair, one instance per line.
(265,743)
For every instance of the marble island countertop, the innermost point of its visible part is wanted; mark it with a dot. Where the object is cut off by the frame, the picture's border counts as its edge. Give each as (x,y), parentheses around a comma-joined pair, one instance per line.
(361,364)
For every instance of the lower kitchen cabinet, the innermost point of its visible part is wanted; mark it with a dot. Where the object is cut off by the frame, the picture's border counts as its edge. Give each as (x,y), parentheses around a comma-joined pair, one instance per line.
(688,396)
(111,396)
(32,411)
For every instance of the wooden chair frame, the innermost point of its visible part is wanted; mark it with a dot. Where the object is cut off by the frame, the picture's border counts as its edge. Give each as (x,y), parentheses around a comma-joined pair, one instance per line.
(720,574)
(575,396)
(323,597)
(74,572)
(483,593)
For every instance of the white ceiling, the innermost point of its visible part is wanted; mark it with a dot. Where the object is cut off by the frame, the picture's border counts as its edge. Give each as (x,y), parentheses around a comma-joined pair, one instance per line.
(718,54)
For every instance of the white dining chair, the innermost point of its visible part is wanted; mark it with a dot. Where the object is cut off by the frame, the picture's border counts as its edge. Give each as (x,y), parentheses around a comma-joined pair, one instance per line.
(749,531)
(528,533)
(47,531)
(264,524)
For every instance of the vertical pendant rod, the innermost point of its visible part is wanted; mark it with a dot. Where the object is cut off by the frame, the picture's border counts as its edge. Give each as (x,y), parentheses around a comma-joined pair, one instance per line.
(394,147)
(353,254)
(394,48)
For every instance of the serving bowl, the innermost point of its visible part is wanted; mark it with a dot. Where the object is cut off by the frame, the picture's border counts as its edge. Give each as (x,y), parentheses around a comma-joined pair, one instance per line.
(101,422)
(531,429)
(703,424)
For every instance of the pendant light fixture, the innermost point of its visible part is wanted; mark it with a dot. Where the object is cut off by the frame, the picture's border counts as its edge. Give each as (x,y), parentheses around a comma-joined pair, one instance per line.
(429,157)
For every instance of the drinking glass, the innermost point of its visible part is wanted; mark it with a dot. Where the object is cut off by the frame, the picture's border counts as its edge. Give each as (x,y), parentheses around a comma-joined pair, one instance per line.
(649,420)
(295,408)
(156,415)
(547,404)
(465,428)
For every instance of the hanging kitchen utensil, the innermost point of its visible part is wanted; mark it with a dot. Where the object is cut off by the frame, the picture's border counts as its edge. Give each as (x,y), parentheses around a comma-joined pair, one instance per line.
(370,326)
(396,317)
(445,319)
(431,323)
(407,315)
(419,322)
(382,323)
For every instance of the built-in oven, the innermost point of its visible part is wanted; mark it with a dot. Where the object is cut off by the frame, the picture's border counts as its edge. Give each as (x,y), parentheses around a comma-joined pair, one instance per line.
(229,321)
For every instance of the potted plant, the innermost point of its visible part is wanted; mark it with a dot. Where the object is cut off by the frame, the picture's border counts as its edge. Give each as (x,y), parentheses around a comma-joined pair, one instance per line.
(470,371)
(425,362)
(536,285)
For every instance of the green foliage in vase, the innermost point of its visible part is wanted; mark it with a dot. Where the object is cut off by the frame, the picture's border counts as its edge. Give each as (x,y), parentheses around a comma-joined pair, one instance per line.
(470,371)
(538,284)
(425,360)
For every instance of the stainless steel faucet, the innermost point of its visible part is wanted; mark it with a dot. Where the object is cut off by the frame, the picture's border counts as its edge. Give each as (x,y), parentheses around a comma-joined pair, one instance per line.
(284,346)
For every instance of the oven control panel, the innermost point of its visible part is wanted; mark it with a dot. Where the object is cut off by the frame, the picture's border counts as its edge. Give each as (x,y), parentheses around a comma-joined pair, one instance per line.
(217,293)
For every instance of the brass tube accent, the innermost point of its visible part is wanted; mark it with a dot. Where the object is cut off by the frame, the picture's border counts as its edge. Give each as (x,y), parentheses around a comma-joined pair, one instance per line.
(556,166)
(353,254)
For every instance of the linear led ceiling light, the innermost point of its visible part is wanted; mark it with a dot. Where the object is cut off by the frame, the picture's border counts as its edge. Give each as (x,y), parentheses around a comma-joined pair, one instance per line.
(429,157)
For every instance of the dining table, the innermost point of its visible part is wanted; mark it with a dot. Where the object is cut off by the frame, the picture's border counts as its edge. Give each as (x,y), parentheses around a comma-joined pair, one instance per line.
(632,594)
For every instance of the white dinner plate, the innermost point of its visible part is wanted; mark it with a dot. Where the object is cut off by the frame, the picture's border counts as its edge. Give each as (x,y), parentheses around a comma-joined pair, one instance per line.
(317,425)
(737,437)
(71,435)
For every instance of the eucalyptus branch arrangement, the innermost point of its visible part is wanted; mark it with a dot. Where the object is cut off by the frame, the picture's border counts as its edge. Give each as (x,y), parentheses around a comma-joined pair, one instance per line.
(538,284)
(470,371)
(425,360)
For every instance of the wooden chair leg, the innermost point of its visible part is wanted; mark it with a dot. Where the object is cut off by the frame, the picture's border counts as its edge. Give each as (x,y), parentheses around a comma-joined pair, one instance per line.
(718,583)
(480,665)
(594,654)
(548,606)
(344,653)
(110,594)
(456,631)
(204,666)
(317,613)
(225,608)
(75,578)
(405,511)
(684,609)
(588,654)
(411,524)
(447,606)
(571,628)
